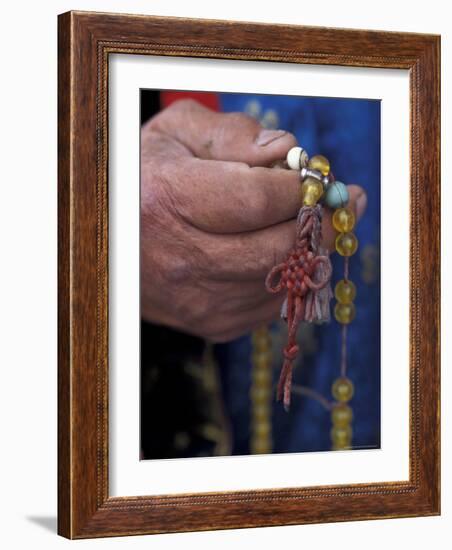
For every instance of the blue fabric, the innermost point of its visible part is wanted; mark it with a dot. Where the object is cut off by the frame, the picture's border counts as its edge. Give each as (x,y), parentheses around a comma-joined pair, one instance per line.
(347,132)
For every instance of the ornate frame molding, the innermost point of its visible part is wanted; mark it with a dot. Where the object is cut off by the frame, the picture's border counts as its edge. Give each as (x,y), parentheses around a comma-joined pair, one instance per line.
(85,42)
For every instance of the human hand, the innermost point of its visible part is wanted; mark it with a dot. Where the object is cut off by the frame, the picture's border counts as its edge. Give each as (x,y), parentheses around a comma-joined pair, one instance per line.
(215,218)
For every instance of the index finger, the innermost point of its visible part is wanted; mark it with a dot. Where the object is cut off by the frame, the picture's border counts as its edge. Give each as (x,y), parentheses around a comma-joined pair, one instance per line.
(232,197)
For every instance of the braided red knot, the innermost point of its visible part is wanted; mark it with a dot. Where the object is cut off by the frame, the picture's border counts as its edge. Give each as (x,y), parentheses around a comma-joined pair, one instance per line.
(306,275)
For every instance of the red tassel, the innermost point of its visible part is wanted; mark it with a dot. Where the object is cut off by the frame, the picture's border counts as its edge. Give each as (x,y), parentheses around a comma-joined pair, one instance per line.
(306,276)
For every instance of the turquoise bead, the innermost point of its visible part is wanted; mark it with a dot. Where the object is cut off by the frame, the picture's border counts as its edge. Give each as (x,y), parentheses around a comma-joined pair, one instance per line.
(336,195)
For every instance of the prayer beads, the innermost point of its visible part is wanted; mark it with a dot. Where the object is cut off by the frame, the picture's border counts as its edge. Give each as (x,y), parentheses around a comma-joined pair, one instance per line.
(312,190)
(341,415)
(346,244)
(320,163)
(297,158)
(260,392)
(343,389)
(305,275)
(344,313)
(341,437)
(345,292)
(343,220)
(336,195)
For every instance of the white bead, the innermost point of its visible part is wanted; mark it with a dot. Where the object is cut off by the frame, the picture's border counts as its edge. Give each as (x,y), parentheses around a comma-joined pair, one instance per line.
(297,158)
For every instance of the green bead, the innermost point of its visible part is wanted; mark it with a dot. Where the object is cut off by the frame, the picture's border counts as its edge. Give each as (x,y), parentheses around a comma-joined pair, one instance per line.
(345,291)
(336,195)
(343,220)
(343,389)
(341,415)
(344,313)
(346,244)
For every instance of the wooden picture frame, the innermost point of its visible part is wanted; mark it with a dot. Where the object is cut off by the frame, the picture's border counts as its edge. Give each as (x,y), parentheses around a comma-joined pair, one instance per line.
(85,42)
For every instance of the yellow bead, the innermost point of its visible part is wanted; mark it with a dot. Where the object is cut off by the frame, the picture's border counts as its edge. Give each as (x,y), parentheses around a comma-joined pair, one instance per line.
(262,359)
(259,447)
(344,313)
(261,413)
(311,191)
(346,244)
(262,429)
(345,291)
(341,437)
(260,395)
(261,340)
(341,415)
(320,163)
(342,390)
(262,377)
(343,220)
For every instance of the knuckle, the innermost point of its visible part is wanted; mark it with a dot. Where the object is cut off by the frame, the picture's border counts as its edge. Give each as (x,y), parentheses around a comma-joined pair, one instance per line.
(154,196)
(185,104)
(177,109)
(242,120)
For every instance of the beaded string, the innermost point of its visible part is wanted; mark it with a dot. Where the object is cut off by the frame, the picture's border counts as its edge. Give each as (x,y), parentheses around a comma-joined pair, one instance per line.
(344,311)
(306,275)
(261,392)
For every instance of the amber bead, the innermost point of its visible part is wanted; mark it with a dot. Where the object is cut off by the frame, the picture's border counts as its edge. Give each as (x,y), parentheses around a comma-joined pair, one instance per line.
(346,244)
(261,412)
(344,313)
(345,291)
(311,191)
(342,389)
(262,377)
(262,429)
(260,395)
(320,163)
(341,437)
(259,446)
(262,359)
(341,415)
(343,220)
(261,340)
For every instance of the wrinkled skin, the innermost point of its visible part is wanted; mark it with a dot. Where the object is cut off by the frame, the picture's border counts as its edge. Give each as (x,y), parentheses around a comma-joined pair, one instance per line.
(215,218)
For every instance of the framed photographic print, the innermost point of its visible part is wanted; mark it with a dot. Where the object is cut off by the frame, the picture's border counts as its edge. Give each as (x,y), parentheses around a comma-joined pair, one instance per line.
(248,275)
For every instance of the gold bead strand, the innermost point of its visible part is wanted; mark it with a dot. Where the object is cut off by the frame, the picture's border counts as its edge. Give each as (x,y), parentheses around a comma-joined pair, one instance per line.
(261,392)
(344,312)
(335,196)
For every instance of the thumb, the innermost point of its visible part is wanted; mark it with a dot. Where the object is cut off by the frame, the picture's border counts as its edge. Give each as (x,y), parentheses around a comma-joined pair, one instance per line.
(222,136)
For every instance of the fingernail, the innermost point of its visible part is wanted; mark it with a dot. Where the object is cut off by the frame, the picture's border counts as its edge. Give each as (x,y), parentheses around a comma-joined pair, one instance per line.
(266,137)
(361,203)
